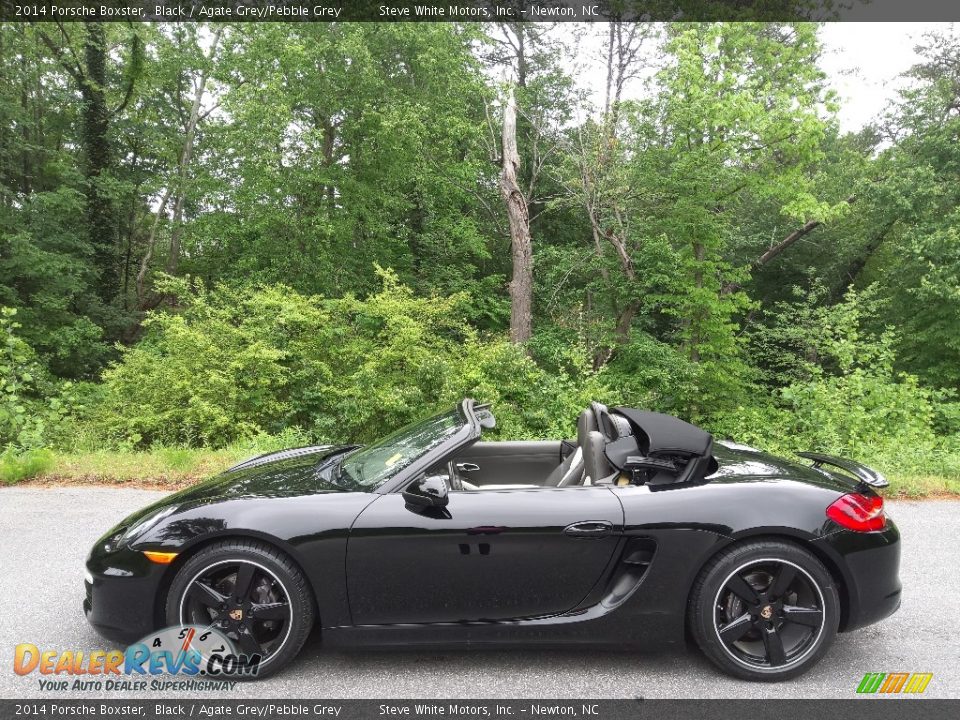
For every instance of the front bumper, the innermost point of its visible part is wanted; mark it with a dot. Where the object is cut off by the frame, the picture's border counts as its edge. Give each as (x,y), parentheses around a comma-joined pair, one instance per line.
(870,565)
(122,594)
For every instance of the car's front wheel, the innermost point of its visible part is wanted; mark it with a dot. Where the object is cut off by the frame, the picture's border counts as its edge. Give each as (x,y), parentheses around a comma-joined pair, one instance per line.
(764,610)
(250,592)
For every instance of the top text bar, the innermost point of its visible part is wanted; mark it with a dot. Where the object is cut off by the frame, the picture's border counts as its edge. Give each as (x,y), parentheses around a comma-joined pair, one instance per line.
(475,10)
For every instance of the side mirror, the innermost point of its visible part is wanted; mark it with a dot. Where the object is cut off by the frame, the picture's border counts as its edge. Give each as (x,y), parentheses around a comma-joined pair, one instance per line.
(427,492)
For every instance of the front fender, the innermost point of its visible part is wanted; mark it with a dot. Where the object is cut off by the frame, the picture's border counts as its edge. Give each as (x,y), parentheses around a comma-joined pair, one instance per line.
(312,530)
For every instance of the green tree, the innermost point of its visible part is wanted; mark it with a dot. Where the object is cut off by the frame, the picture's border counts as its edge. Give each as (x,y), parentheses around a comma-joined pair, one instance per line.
(339,146)
(921,192)
(98,78)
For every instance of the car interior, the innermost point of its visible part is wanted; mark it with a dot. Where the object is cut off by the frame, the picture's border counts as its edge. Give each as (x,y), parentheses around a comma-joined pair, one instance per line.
(530,464)
(620,447)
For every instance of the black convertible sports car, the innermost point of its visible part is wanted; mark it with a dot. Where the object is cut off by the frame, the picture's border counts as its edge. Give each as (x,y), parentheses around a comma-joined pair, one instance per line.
(641,532)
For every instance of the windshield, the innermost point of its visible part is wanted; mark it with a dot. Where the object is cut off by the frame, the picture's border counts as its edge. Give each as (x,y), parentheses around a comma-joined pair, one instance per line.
(370,466)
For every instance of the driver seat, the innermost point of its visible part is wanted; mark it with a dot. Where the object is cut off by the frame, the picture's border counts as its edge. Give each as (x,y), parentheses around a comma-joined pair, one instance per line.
(609,431)
(570,471)
(597,468)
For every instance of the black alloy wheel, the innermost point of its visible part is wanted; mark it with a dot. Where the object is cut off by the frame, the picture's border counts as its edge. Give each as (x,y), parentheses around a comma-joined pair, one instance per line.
(249,592)
(244,601)
(764,610)
(768,613)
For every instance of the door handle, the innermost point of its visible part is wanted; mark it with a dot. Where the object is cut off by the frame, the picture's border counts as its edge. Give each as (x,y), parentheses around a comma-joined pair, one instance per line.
(589,529)
(467,467)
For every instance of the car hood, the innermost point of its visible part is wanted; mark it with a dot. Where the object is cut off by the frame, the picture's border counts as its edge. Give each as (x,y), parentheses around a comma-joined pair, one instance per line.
(280,474)
(287,473)
(741,463)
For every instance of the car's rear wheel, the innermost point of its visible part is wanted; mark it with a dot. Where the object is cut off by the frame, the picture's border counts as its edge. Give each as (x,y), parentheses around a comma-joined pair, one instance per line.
(250,592)
(764,610)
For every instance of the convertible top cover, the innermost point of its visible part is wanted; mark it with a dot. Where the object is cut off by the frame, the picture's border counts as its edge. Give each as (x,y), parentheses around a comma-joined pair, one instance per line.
(659,433)
(660,449)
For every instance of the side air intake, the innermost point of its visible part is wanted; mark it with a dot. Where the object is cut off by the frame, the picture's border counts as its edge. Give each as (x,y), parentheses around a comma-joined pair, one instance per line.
(633,565)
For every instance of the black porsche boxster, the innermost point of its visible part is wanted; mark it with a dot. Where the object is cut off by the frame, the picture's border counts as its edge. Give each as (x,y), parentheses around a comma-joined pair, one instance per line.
(640,533)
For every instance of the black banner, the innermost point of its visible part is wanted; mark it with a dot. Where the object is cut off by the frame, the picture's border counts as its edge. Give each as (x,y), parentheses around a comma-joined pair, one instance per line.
(473,11)
(890,708)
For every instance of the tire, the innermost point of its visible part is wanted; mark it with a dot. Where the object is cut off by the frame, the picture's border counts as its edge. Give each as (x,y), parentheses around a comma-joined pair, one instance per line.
(764,610)
(275,606)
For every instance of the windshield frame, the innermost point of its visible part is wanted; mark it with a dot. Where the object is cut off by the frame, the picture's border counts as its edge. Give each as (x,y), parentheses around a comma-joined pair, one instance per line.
(468,432)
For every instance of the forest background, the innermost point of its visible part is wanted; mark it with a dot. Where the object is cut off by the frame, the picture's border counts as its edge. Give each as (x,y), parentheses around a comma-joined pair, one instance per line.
(217,240)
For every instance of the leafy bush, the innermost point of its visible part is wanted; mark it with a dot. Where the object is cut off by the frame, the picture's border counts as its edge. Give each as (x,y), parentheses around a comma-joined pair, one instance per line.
(850,401)
(18,369)
(649,373)
(256,369)
(33,406)
(234,364)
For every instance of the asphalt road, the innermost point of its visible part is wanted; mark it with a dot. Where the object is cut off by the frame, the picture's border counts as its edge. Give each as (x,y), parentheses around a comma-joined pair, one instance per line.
(46,533)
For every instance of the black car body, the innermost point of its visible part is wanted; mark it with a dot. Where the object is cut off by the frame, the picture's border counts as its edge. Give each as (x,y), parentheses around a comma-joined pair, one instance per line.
(424,556)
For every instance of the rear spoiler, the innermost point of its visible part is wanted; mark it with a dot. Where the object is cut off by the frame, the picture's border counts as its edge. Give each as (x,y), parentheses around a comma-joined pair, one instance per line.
(866,475)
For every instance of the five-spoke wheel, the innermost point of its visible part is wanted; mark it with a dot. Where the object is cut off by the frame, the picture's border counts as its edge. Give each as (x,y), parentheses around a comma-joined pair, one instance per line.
(764,610)
(242,599)
(251,593)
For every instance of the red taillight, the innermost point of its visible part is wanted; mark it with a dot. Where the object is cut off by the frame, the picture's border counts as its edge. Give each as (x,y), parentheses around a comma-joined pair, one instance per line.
(861,513)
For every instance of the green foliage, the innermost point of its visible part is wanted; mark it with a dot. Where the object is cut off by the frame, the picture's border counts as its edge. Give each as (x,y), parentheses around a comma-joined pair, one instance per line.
(34,407)
(847,398)
(916,265)
(650,373)
(220,270)
(17,370)
(741,113)
(235,363)
(24,465)
(361,144)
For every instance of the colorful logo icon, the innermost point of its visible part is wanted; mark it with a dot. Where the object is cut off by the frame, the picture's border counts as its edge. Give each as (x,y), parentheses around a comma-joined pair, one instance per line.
(893,683)
(186,650)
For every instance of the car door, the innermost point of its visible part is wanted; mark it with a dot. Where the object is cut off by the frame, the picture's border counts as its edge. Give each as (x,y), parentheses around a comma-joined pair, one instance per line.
(488,555)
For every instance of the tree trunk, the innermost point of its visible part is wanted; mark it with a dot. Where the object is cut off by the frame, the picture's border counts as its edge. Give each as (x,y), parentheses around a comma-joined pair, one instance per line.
(521,286)
(625,322)
(696,320)
(329,144)
(621,53)
(151,242)
(173,258)
(96,123)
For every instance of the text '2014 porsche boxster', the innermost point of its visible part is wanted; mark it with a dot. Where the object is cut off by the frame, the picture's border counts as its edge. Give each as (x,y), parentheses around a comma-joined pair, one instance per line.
(640,532)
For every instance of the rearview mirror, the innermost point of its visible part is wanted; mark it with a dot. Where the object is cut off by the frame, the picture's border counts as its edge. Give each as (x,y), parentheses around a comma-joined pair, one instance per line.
(427,491)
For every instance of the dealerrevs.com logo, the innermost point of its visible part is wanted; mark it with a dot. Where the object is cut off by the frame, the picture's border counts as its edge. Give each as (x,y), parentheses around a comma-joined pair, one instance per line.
(894,683)
(186,651)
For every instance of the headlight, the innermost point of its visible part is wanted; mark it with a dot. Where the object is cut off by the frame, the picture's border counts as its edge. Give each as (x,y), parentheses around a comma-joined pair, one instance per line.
(126,533)
(145,523)
(112,542)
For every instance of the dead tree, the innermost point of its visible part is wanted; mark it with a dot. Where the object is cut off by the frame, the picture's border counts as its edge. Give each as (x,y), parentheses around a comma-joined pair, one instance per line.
(521,246)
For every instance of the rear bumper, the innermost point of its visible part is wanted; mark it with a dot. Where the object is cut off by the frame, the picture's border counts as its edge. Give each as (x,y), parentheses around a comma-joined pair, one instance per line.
(870,565)
(122,591)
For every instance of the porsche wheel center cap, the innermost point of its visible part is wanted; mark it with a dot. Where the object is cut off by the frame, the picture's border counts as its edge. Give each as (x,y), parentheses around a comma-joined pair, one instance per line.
(767,612)
(236,614)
